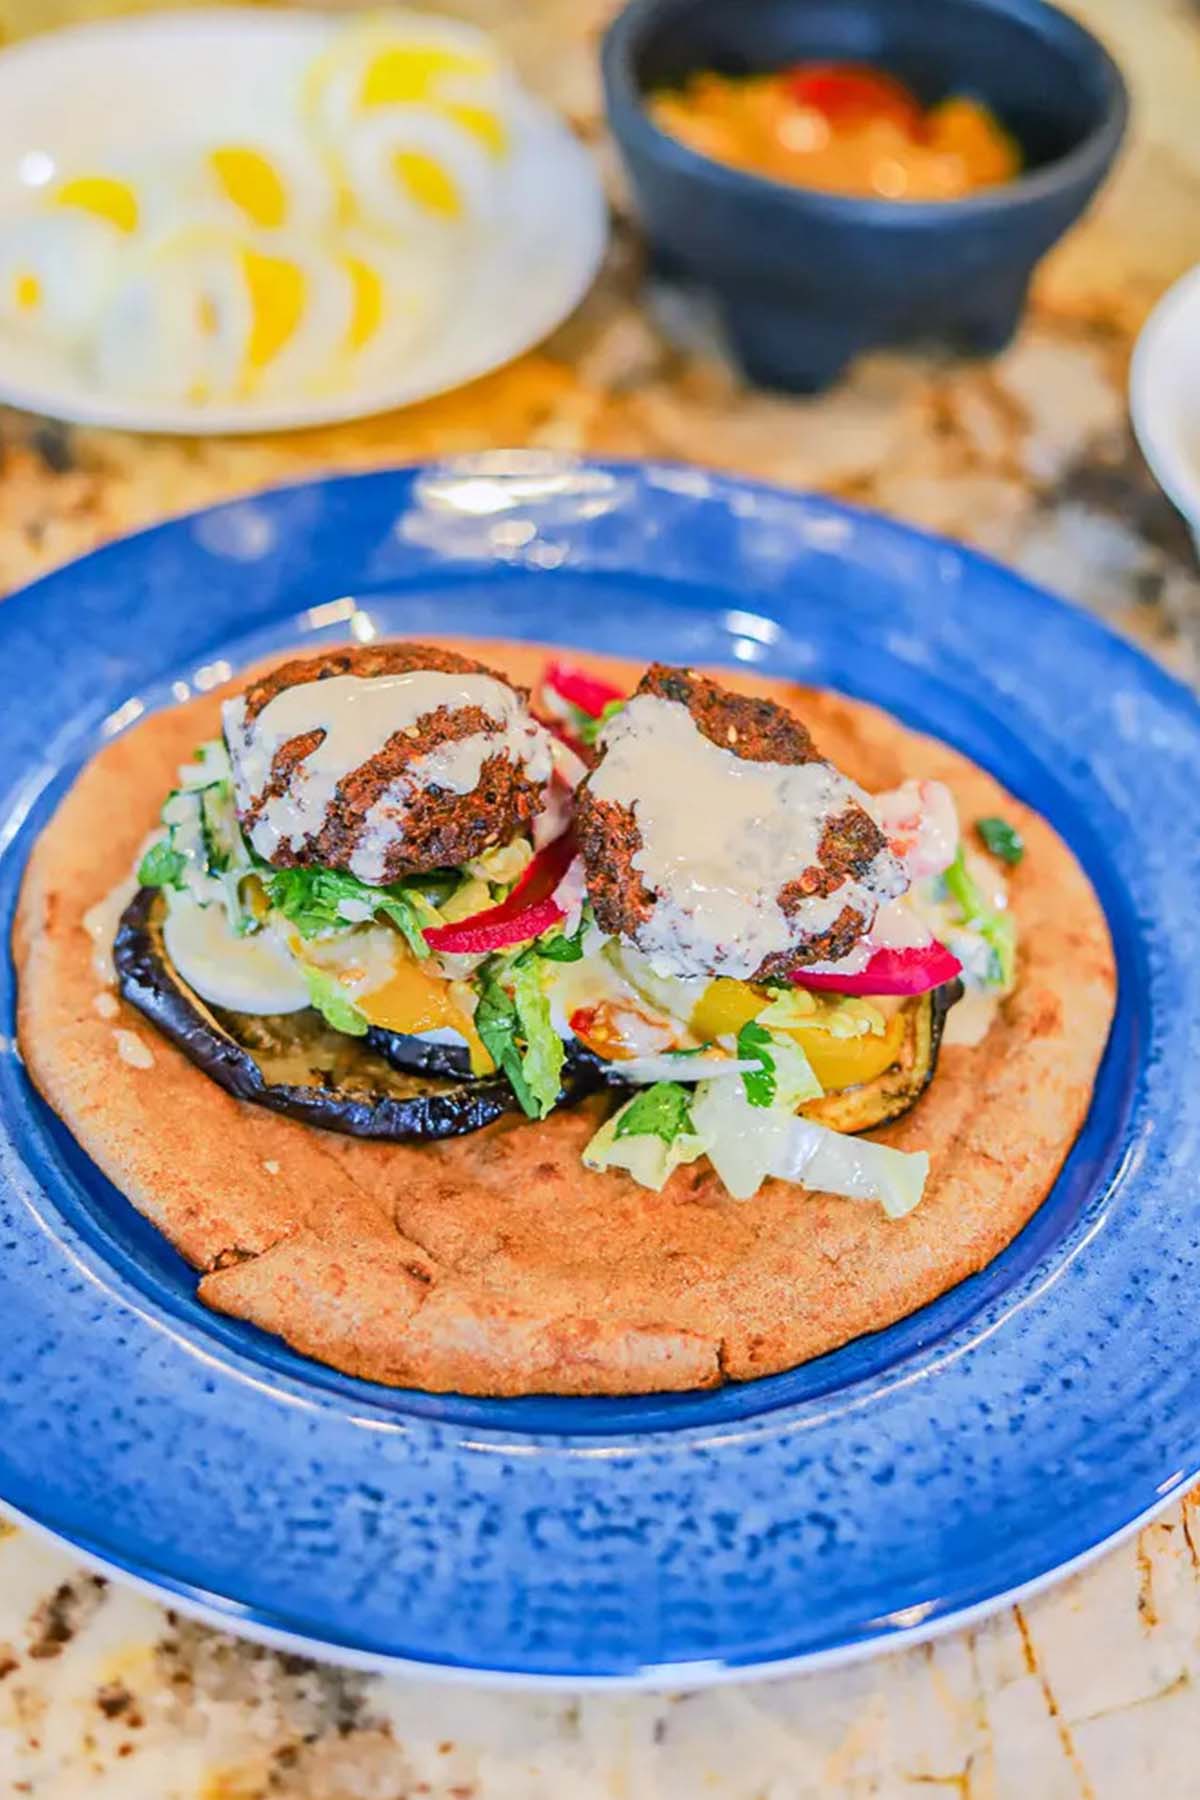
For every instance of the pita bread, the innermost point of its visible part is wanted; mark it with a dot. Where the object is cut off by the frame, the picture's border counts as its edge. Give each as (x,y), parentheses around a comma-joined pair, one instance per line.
(495,1264)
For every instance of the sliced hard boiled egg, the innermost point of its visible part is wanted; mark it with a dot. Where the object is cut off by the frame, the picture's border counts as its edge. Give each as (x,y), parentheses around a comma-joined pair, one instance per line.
(409,166)
(395,289)
(55,273)
(247,974)
(406,60)
(133,196)
(264,186)
(416,115)
(178,323)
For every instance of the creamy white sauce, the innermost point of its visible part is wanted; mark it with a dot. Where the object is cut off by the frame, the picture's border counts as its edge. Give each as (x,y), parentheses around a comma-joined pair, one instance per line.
(455,767)
(720,838)
(132,1050)
(246,974)
(896,926)
(105,1004)
(970,1019)
(101,920)
(358,715)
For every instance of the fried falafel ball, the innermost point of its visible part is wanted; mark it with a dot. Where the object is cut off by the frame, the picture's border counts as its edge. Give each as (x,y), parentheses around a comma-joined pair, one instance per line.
(322,780)
(817,913)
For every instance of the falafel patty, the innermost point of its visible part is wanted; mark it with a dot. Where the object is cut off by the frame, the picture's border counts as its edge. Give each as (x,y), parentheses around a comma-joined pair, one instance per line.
(385,760)
(718,840)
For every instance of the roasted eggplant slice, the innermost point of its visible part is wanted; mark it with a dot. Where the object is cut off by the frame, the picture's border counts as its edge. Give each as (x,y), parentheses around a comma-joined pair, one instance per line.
(293,1062)
(892,1093)
(417,1056)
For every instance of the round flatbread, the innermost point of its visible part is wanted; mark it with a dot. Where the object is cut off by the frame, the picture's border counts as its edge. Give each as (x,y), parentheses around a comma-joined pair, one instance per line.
(496,1264)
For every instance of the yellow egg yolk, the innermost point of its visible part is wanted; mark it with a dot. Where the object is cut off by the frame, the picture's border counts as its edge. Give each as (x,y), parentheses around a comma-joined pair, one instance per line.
(429,183)
(102,196)
(366,303)
(277,289)
(481,122)
(26,291)
(251,183)
(406,72)
(413,1001)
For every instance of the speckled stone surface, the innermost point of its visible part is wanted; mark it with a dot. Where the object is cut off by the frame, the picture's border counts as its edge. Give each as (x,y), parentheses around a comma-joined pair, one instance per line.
(1089,1690)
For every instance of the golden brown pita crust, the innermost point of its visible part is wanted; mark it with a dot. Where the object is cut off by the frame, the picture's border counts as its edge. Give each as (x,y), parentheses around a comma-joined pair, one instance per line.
(495,1264)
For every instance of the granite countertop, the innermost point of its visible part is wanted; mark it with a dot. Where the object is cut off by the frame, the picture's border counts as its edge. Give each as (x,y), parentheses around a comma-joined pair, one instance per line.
(1089,1690)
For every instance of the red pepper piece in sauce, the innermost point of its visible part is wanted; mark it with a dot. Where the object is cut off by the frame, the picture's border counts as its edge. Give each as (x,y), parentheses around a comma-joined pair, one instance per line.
(853,94)
(528,911)
(889,972)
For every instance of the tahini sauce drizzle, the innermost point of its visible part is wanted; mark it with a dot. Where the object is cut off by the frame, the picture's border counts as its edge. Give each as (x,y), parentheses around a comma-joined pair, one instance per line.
(358,715)
(720,838)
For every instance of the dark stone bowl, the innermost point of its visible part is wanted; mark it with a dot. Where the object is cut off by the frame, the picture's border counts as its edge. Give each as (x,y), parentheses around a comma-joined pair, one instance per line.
(805,280)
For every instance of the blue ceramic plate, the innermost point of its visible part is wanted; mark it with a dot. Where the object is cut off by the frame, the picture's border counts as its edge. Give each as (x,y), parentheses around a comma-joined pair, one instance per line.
(898,1485)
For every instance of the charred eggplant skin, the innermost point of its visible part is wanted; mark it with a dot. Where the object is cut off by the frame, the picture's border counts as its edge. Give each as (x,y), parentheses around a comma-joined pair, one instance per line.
(148,982)
(417,1056)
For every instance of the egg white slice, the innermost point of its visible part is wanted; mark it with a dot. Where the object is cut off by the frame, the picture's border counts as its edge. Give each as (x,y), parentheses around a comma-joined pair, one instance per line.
(407,58)
(177,324)
(56,271)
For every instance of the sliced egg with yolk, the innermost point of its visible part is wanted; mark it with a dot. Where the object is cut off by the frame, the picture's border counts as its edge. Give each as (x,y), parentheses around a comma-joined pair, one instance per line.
(247,974)
(402,62)
(416,120)
(413,166)
(263,186)
(55,273)
(178,322)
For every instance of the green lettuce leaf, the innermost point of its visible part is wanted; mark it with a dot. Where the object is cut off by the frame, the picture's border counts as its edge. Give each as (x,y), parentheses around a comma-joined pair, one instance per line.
(649,1137)
(662,1111)
(497,1023)
(997,929)
(542,1061)
(312,900)
(329,997)
(162,866)
(1002,839)
(754,1044)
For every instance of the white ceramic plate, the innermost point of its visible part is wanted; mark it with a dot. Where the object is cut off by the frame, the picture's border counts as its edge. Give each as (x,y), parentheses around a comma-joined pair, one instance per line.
(1164,395)
(115,88)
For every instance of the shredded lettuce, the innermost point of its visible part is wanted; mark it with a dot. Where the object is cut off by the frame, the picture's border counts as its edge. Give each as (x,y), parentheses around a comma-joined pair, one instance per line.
(743,1139)
(497,1024)
(649,1137)
(315,900)
(841,1015)
(503,864)
(662,1111)
(997,929)
(746,1144)
(208,766)
(542,1061)
(327,994)
(517,1033)
(162,866)
(832,1162)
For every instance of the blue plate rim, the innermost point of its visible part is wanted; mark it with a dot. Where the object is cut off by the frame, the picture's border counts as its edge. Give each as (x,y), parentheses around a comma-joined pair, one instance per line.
(1147,674)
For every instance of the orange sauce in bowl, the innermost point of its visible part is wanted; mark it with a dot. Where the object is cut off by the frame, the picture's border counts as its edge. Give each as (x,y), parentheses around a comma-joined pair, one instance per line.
(846,128)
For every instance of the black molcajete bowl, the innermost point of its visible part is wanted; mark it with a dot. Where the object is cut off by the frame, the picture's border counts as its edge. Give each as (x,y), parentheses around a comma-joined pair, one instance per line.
(805,280)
